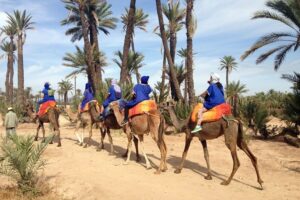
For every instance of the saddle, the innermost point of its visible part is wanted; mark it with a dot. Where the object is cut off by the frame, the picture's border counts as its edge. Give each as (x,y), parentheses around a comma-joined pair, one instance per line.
(214,114)
(142,107)
(44,107)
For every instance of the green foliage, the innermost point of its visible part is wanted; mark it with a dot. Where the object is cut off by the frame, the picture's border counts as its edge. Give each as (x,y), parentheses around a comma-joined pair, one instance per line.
(127,91)
(21,159)
(160,92)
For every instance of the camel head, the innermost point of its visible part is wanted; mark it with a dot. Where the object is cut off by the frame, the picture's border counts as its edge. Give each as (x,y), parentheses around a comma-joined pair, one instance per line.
(165,106)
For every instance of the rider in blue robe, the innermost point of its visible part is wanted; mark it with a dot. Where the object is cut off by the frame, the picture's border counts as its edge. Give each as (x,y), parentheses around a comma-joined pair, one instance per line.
(88,95)
(47,96)
(141,93)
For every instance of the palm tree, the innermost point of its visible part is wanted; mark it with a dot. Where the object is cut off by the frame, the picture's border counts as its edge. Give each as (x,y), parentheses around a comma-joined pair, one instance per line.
(228,63)
(140,21)
(134,62)
(22,22)
(233,91)
(65,86)
(77,60)
(167,52)
(9,48)
(287,13)
(127,42)
(175,16)
(90,17)
(191,26)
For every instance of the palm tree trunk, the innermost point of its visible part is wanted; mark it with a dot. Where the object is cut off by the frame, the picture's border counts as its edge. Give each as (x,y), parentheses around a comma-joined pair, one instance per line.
(167,51)
(227,77)
(65,98)
(127,41)
(95,45)
(20,96)
(137,73)
(189,60)
(163,77)
(185,84)
(88,48)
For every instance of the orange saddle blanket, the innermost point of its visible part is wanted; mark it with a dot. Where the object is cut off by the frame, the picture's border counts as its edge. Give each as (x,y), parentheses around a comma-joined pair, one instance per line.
(87,106)
(213,114)
(44,107)
(144,106)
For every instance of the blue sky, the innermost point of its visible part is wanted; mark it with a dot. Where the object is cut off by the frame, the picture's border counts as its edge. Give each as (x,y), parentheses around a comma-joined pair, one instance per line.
(224,28)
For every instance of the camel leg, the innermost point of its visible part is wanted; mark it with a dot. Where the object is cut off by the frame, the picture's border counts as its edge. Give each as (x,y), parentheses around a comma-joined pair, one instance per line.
(103,133)
(82,136)
(58,136)
(129,136)
(236,162)
(43,130)
(188,141)
(136,145)
(88,142)
(141,138)
(37,132)
(76,131)
(110,141)
(243,145)
(206,156)
(163,154)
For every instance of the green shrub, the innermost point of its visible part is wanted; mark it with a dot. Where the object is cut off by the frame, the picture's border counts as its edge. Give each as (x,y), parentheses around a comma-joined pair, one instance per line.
(20,159)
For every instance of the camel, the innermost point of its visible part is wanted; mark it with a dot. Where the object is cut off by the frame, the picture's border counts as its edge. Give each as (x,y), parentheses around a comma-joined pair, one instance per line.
(89,118)
(233,132)
(139,125)
(51,117)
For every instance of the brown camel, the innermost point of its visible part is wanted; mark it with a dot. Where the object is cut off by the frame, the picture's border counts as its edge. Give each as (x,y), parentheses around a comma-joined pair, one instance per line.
(51,117)
(139,125)
(110,122)
(233,132)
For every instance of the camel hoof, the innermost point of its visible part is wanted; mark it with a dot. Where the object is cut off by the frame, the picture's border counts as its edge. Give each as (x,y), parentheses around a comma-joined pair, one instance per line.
(59,145)
(124,155)
(177,171)
(148,167)
(35,139)
(80,144)
(125,163)
(164,169)
(51,142)
(98,149)
(208,177)
(85,146)
(111,154)
(157,172)
(225,183)
(261,186)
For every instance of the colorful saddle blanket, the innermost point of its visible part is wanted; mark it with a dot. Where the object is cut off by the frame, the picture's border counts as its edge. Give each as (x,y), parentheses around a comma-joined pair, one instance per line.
(44,107)
(213,114)
(88,105)
(142,107)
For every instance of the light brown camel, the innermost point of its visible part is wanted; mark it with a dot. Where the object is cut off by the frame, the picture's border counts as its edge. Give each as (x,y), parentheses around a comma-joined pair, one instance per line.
(232,130)
(139,125)
(51,117)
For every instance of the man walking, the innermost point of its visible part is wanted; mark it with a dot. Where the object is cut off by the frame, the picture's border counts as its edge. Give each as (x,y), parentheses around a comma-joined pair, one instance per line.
(11,122)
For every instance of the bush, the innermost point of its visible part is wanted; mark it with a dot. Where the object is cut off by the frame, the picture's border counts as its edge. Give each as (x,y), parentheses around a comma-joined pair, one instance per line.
(21,160)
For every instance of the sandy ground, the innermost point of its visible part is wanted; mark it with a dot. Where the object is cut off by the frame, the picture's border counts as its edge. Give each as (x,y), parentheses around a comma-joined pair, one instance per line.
(78,173)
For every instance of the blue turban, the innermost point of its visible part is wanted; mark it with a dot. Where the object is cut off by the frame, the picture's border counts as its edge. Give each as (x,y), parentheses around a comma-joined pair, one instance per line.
(47,86)
(144,79)
(88,86)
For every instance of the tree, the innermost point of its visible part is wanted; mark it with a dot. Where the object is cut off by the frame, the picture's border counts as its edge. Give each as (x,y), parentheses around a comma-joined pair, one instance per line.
(134,62)
(22,22)
(99,18)
(77,61)
(167,52)
(191,26)
(127,42)
(233,91)
(140,21)
(286,12)
(228,63)
(9,48)
(292,104)
(65,86)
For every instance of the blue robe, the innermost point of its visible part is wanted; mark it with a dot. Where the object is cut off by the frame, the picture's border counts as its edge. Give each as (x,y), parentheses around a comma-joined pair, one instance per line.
(142,92)
(46,96)
(112,96)
(215,96)
(88,96)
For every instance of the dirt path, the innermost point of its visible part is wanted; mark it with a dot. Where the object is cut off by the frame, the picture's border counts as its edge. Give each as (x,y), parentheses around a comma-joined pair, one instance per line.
(78,173)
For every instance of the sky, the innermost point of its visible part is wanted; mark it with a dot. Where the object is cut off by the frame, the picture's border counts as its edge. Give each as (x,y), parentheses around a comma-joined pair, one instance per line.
(224,28)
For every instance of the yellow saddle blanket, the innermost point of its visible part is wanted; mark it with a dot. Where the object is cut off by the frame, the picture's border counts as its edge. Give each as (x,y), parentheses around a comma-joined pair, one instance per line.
(142,107)
(213,114)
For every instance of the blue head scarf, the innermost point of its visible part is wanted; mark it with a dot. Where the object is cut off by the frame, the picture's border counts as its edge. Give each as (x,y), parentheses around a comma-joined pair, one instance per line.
(144,79)
(47,86)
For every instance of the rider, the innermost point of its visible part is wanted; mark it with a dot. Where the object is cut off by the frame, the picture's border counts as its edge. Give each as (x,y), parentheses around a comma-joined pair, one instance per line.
(47,95)
(114,94)
(213,96)
(88,95)
(140,93)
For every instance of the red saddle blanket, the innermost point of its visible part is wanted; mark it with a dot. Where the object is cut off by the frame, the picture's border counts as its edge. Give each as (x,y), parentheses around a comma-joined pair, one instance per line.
(87,106)
(142,107)
(213,114)
(44,107)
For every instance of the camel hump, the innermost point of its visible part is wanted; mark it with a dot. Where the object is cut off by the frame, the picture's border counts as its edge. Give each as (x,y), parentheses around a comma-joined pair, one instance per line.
(147,106)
